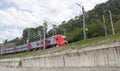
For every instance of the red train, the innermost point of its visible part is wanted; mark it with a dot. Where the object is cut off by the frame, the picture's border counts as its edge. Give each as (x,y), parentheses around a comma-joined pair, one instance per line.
(58,40)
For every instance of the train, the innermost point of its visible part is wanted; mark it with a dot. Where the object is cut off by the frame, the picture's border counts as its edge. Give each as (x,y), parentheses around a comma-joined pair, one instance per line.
(57,40)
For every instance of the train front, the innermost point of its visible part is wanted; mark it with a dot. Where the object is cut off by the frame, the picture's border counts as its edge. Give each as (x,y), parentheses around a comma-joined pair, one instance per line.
(61,40)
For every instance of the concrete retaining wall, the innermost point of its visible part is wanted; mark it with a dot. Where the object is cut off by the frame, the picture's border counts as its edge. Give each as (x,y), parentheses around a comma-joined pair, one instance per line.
(102,55)
(10,62)
(99,57)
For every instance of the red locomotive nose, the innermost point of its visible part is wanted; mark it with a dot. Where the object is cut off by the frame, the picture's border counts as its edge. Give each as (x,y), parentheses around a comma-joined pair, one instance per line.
(61,43)
(60,40)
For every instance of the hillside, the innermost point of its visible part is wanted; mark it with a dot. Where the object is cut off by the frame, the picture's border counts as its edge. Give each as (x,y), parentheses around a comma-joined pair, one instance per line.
(94,21)
(7,45)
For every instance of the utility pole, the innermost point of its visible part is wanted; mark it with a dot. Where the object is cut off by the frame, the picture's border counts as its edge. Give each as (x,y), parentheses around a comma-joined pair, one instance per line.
(28,36)
(50,22)
(113,31)
(65,32)
(54,28)
(45,25)
(0,49)
(39,34)
(105,28)
(53,31)
(84,26)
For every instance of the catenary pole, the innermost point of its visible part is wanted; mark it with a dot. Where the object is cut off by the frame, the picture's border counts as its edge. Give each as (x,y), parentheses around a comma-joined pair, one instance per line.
(105,28)
(84,26)
(28,36)
(113,31)
(45,25)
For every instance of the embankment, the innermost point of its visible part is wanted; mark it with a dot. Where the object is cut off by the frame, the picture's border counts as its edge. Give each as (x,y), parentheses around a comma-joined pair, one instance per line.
(107,55)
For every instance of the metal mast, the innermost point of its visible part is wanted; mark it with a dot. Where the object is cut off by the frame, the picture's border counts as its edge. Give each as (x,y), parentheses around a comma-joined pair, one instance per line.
(113,31)
(105,28)
(84,26)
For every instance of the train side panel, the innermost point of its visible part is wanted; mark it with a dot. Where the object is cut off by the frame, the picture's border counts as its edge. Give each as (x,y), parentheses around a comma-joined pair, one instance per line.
(19,48)
(35,45)
(10,50)
(25,47)
(52,41)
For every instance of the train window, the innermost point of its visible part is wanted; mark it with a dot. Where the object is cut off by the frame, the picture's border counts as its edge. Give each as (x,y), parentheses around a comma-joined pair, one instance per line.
(38,44)
(48,41)
(56,38)
(64,38)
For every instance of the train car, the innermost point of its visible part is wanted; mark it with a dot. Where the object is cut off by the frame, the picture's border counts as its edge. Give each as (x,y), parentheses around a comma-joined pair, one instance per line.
(52,41)
(35,45)
(25,47)
(10,50)
(3,51)
(46,43)
(15,50)
(19,48)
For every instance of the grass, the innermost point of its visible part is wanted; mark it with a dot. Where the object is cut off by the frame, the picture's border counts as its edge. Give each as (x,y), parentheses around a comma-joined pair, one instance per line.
(10,44)
(24,54)
(75,45)
(95,41)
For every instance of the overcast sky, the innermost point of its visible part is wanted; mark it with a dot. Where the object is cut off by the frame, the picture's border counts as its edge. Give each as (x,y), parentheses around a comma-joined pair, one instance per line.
(16,15)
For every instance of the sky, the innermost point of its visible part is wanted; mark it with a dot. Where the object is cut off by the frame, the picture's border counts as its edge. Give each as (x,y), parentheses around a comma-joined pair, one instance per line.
(16,15)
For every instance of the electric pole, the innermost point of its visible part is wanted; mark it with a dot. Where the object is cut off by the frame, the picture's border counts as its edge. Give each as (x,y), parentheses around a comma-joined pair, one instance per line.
(45,25)
(84,26)
(64,32)
(105,28)
(39,34)
(28,36)
(52,23)
(54,28)
(113,31)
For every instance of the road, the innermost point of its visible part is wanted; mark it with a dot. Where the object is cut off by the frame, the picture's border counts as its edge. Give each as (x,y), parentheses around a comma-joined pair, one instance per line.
(62,69)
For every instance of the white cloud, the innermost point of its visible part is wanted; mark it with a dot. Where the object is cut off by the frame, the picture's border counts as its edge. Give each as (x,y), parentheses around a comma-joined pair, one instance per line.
(30,13)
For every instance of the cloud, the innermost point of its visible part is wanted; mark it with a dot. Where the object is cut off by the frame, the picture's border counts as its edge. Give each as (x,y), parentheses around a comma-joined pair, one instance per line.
(13,21)
(16,15)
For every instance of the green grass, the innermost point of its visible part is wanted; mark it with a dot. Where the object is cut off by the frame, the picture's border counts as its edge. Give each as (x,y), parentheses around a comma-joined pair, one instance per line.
(76,45)
(24,54)
(95,41)
(10,44)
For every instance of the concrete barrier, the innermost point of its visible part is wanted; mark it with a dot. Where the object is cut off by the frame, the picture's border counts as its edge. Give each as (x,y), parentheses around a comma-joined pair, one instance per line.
(102,55)
(15,62)
(54,61)
(33,62)
(98,57)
